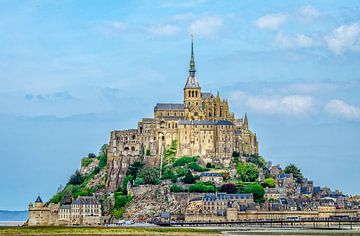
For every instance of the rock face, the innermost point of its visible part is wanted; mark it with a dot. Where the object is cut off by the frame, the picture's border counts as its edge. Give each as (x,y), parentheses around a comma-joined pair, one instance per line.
(153,202)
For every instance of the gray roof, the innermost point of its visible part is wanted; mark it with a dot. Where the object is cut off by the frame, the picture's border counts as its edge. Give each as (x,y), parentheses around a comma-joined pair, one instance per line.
(211,174)
(65,206)
(192,82)
(205,122)
(38,199)
(84,200)
(169,106)
(207,95)
(225,196)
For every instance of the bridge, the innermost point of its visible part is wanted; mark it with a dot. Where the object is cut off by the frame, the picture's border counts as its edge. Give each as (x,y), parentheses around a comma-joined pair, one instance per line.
(314,222)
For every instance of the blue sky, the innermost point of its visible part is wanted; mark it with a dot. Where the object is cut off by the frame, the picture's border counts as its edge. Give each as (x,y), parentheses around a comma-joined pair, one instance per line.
(72,71)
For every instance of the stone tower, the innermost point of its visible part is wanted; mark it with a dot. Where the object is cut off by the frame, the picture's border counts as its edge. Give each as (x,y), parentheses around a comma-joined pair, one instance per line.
(192,92)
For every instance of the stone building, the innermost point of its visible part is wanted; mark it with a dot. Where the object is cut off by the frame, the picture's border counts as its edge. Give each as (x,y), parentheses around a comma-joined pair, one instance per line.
(41,215)
(202,125)
(212,177)
(85,210)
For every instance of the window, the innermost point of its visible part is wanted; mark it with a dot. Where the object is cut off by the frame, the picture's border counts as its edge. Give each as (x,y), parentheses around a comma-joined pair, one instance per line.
(192,93)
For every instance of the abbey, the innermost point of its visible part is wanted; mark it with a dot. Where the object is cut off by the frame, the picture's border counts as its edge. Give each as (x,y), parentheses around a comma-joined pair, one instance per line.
(202,125)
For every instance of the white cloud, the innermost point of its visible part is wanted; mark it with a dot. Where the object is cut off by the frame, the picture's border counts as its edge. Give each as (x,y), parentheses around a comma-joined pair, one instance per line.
(207,26)
(163,29)
(344,38)
(272,21)
(309,12)
(343,110)
(297,41)
(289,105)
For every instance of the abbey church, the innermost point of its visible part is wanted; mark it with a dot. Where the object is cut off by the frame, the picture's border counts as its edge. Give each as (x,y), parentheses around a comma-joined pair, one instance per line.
(202,125)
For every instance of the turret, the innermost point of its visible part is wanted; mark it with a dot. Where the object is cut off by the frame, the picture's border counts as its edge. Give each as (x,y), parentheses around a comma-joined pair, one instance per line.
(38,202)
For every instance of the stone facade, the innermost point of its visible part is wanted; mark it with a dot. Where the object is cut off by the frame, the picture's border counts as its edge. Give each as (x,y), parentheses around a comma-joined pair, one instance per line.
(82,211)
(40,215)
(202,125)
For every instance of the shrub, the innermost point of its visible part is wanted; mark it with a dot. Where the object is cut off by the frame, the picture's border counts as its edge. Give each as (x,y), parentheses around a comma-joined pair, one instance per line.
(196,167)
(269,182)
(169,174)
(176,188)
(201,187)
(139,181)
(189,178)
(182,161)
(118,213)
(86,161)
(180,171)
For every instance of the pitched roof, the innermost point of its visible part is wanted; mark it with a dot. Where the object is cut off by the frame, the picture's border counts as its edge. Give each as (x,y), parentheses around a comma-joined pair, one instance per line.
(192,82)
(65,206)
(207,95)
(38,199)
(213,174)
(85,200)
(205,122)
(169,106)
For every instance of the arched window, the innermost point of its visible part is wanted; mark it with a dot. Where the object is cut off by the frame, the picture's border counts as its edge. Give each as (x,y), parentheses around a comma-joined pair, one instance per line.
(189,94)
(192,93)
(196,93)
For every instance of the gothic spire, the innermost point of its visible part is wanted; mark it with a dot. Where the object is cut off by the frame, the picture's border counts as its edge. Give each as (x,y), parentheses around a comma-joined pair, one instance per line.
(192,59)
(192,81)
(246,124)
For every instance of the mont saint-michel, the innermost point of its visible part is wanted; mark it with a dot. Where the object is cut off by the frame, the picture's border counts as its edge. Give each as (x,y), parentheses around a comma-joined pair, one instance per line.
(193,163)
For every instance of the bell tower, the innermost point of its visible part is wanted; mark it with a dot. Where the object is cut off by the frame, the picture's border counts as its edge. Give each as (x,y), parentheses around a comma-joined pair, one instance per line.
(192,92)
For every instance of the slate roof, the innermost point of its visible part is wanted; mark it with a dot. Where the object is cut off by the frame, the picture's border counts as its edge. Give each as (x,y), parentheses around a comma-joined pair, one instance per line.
(205,122)
(283,176)
(65,206)
(169,106)
(84,200)
(38,199)
(225,196)
(192,82)
(206,95)
(211,174)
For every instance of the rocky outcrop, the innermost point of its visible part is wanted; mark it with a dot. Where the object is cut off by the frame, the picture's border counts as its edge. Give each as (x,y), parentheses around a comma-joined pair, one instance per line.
(155,201)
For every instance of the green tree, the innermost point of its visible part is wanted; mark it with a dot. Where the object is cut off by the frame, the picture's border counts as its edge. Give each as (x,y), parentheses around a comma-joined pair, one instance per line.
(76,178)
(189,178)
(257,190)
(134,168)
(180,171)
(182,161)
(150,175)
(269,182)
(293,169)
(248,172)
(103,150)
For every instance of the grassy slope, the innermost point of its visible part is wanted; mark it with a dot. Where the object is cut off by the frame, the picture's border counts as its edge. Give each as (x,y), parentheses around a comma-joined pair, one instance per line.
(104,230)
